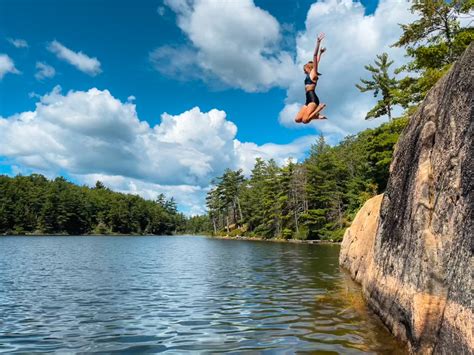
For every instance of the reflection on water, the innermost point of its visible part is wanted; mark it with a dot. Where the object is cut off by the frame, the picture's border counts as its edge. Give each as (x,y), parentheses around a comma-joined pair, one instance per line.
(152,294)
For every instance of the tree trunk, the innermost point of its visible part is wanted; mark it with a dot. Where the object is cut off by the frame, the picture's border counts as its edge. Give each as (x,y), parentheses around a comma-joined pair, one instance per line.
(240,209)
(296,220)
(214,225)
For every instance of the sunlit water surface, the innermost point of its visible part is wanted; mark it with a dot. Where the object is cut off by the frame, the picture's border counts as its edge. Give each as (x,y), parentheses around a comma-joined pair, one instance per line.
(179,294)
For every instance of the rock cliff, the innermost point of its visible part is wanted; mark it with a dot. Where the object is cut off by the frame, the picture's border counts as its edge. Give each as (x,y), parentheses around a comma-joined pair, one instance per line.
(412,250)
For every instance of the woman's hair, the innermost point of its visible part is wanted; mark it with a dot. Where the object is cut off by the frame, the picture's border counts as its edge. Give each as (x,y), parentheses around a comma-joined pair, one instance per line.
(310,66)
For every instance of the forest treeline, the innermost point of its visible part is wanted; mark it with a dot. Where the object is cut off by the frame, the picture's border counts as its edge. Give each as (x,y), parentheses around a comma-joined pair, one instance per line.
(315,199)
(34,204)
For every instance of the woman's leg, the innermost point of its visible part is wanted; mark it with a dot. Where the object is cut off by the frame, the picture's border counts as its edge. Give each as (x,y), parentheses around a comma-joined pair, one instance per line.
(309,111)
(316,113)
(300,115)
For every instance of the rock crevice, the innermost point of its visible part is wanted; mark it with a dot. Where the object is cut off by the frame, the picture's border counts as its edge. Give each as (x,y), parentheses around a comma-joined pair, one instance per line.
(412,248)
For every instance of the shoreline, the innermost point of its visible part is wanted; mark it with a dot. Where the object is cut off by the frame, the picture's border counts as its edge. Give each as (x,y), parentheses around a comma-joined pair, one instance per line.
(221,237)
(260,239)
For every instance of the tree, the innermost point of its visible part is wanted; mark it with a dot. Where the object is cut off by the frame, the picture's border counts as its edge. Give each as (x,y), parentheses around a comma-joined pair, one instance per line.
(213,206)
(434,41)
(381,83)
(327,181)
(252,195)
(316,198)
(32,203)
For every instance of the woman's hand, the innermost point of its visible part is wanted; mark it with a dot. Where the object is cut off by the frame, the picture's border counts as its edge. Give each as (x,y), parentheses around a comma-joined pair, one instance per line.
(321,37)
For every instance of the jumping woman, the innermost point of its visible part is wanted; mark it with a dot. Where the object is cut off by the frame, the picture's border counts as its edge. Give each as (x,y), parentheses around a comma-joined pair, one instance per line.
(312,108)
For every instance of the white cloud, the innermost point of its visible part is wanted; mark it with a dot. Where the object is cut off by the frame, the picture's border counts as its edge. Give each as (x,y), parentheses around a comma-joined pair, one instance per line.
(79,60)
(235,41)
(353,40)
(248,152)
(7,66)
(92,134)
(244,51)
(18,43)
(190,198)
(44,71)
(178,62)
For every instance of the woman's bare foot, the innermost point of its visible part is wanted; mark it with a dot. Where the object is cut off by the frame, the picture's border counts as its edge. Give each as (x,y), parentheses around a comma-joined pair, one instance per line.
(321,107)
(316,117)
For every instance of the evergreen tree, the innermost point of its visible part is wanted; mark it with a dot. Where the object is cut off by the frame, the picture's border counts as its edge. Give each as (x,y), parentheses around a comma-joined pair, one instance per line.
(381,83)
(433,41)
(314,199)
(252,196)
(31,204)
(326,179)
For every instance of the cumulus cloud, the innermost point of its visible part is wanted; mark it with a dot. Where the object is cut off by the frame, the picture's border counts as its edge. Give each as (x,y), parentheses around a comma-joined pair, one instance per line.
(18,43)
(44,71)
(245,52)
(7,66)
(247,152)
(91,134)
(235,41)
(353,40)
(190,198)
(79,60)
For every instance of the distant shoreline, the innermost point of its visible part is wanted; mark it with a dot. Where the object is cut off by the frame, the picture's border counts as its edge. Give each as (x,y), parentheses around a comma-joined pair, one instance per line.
(221,237)
(85,235)
(273,240)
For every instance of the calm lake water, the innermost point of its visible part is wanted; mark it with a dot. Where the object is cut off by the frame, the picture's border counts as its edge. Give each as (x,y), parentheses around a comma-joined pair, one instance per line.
(180,294)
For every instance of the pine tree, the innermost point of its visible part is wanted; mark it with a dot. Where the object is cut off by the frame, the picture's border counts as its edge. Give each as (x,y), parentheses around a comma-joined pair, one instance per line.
(381,83)
(252,196)
(434,41)
(271,226)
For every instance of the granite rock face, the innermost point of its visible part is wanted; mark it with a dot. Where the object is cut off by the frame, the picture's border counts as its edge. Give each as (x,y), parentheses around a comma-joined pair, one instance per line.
(357,248)
(415,261)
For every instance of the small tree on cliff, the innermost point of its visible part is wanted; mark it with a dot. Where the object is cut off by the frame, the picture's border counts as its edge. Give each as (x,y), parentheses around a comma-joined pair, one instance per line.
(381,83)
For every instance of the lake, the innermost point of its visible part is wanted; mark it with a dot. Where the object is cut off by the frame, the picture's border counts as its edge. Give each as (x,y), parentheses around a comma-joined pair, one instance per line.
(180,294)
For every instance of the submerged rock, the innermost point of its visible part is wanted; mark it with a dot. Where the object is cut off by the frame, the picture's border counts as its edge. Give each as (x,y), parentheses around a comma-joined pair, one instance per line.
(414,258)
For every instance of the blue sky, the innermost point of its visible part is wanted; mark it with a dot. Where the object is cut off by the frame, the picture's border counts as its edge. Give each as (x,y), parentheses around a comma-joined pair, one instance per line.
(170,56)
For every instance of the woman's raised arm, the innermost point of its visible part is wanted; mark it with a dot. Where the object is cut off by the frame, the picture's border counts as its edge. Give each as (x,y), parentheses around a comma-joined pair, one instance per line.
(317,56)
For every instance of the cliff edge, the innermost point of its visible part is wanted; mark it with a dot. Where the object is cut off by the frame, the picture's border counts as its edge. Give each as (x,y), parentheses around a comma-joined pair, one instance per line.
(414,257)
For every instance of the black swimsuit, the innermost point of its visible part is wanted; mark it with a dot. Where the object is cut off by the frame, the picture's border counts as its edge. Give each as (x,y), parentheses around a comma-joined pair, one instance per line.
(310,95)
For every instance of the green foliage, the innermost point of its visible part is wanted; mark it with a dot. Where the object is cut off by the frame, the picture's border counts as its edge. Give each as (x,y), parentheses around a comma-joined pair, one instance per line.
(198,224)
(380,144)
(433,41)
(33,204)
(287,233)
(315,199)
(381,83)
(236,232)
(224,200)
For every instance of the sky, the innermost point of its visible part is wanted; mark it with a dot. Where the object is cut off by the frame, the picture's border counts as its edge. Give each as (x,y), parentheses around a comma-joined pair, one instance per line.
(161,96)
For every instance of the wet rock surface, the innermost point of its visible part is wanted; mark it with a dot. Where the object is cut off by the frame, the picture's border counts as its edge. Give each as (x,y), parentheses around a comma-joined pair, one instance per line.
(415,261)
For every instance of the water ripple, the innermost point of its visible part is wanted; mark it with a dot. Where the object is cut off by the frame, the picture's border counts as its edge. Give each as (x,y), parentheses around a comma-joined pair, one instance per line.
(179,294)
